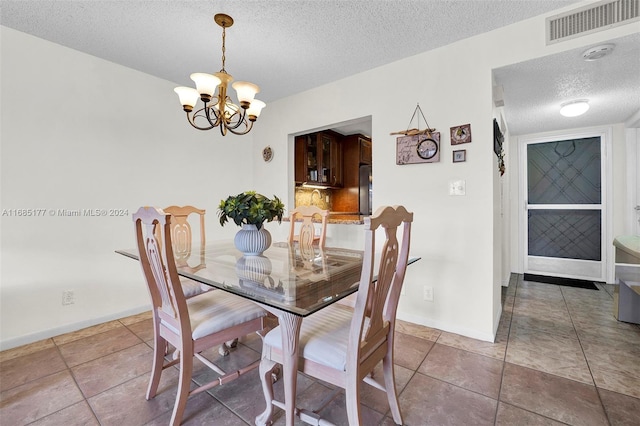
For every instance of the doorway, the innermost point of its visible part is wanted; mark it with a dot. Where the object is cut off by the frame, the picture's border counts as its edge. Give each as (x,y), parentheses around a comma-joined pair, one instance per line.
(564,193)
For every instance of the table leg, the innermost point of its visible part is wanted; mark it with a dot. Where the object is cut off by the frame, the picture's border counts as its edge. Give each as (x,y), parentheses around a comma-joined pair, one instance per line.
(290,333)
(290,325)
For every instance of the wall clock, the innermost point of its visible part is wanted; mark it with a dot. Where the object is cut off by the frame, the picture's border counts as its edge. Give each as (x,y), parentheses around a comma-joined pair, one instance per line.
(427,148)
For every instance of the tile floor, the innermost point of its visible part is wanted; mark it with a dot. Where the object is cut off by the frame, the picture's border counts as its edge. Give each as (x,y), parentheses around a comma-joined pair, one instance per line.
(560,358)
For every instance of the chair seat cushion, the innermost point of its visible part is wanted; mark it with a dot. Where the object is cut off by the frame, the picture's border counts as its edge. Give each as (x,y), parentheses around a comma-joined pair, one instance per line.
(190,287)
(324,337)
(215,311)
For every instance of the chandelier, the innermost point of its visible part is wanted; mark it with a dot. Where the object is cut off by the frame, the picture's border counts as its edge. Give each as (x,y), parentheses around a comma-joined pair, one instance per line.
(218,110)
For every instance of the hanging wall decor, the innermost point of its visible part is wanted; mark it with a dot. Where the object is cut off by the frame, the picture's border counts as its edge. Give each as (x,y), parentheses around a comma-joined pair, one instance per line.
(461,134)
(267,154)
(417,146)
(460,156)
(498,139)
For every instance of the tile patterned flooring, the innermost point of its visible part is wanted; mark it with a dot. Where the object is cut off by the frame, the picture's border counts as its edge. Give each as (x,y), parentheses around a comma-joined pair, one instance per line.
(560,357)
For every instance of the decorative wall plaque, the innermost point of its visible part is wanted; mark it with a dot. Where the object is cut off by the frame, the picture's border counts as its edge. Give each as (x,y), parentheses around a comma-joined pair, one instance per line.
(267,154)
(461,134)
(424,148)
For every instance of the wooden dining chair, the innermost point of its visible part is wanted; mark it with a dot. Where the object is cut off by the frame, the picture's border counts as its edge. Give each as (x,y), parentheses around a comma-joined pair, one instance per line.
(342,347)
(182,241)
(307,234)
(183,245)
(191,325)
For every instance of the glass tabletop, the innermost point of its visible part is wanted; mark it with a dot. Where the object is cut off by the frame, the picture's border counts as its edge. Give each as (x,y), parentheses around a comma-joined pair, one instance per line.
(285,277)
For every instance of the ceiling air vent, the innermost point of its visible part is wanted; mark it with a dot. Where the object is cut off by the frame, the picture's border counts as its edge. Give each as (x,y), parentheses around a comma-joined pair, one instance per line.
(592,18)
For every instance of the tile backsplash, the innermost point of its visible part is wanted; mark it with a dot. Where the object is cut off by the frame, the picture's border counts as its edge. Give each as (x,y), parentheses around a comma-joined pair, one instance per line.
(313,197)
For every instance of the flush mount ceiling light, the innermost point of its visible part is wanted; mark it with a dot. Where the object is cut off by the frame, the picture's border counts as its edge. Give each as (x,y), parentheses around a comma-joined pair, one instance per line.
(597,52)
(574,108)
(218,110)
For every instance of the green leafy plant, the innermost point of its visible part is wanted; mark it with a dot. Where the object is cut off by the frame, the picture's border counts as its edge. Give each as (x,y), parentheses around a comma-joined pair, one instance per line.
(250,208)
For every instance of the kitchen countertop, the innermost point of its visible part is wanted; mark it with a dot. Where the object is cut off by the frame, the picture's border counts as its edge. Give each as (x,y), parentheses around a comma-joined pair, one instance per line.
(341,218)
(347,219)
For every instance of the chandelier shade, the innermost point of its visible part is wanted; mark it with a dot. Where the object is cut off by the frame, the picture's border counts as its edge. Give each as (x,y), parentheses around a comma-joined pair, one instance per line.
(219,110)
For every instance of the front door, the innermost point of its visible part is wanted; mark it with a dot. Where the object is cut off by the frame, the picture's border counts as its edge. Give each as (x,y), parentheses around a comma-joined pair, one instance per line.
(565,214)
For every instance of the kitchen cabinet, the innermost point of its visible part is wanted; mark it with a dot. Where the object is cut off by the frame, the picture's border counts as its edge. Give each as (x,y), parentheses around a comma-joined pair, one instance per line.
(355,195)
(356,150)
(318,159)
(365,150)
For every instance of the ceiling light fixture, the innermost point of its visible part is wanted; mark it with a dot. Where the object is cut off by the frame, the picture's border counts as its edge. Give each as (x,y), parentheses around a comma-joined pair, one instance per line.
(218,110)
(574,108)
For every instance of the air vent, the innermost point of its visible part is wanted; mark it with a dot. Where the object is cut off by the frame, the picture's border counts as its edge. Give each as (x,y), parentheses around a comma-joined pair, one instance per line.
(592,18)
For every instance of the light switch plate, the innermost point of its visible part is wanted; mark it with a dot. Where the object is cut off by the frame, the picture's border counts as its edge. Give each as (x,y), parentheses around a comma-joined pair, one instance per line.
(457,187)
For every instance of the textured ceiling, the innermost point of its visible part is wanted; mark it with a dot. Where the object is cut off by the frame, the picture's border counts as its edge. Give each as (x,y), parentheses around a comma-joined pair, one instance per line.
(534,90)
(284,46)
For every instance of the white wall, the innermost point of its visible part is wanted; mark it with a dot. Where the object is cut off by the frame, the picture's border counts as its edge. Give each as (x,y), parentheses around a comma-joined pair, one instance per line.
(70,140)
(459,238)
(78,132)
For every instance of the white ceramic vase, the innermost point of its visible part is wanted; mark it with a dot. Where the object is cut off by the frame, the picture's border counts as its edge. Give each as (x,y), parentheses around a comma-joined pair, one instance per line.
(252,241)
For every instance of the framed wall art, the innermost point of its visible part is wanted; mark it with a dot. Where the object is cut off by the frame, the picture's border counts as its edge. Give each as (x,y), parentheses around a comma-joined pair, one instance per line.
(461,134)
(267,154)
(460,156)
(422,148)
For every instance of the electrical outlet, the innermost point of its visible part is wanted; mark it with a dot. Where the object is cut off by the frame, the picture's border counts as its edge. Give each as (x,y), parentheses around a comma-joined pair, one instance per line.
(427,293)
(68,297)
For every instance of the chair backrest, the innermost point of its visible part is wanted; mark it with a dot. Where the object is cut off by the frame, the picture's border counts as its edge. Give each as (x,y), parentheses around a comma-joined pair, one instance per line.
(181,230)
(153,232)
(376,302)
(307,230)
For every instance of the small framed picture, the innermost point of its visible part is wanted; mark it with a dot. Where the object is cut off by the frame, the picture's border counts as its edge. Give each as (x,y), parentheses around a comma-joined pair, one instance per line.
(460,156)
(461,134)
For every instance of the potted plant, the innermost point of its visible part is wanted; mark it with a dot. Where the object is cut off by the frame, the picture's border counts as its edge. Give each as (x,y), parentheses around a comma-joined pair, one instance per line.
(250,211)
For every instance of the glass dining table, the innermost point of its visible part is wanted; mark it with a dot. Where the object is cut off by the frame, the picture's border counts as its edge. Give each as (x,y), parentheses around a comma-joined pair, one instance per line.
(288,282)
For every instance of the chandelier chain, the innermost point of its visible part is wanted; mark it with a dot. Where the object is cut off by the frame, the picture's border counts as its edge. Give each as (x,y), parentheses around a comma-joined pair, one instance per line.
(224,33)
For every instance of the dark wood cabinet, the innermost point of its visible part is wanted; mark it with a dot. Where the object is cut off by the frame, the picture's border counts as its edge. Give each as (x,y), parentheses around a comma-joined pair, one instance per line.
(365,151)
(356,152)
(336,162)
(318,159)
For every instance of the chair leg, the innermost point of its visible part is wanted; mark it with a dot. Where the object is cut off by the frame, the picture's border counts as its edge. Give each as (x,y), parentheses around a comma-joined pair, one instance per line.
(390,385)
(223,349)
(184,385)
(159,347)
(267,368)
(352,396)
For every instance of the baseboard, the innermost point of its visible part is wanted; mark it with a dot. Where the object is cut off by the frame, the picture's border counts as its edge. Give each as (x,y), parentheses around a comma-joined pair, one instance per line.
(463,331)
(68,328)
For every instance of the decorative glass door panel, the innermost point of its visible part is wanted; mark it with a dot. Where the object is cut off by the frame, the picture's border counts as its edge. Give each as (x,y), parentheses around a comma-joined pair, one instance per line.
(564,208)
(325,170)
(570,234)
(312,160)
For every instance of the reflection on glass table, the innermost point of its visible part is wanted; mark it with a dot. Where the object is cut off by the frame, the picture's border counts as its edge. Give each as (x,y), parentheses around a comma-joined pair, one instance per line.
(284,277)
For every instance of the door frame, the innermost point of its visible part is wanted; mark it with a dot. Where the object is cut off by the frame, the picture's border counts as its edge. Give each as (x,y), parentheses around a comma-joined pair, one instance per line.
(606,135)
(632,216)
